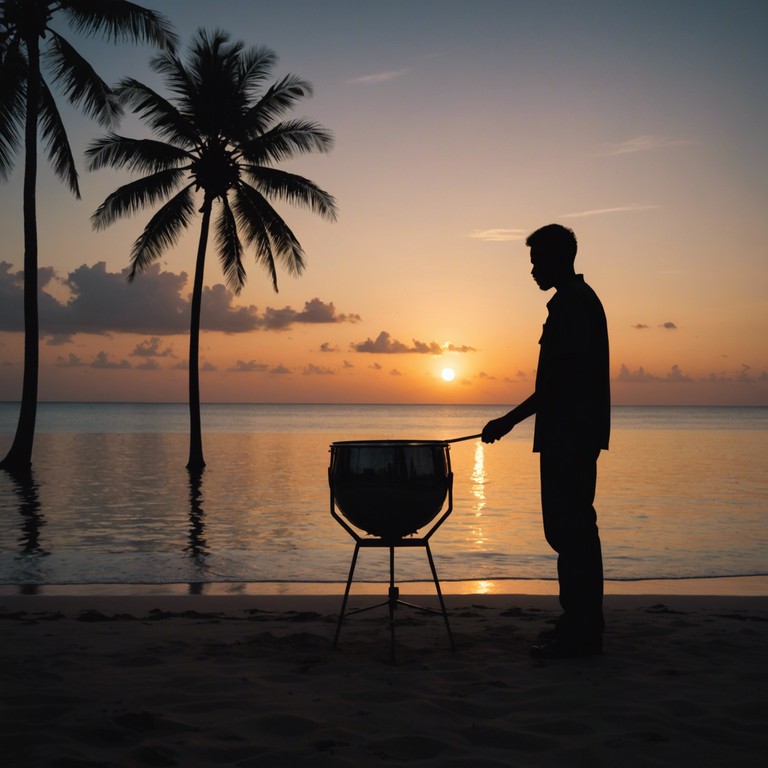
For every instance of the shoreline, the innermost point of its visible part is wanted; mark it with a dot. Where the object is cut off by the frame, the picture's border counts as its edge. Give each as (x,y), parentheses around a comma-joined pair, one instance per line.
(725,586)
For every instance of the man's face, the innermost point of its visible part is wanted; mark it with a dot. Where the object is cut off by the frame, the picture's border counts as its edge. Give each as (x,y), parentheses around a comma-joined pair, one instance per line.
(544,270)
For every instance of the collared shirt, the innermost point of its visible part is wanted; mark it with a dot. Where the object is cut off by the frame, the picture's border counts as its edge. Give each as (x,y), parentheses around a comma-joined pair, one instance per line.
(573,400)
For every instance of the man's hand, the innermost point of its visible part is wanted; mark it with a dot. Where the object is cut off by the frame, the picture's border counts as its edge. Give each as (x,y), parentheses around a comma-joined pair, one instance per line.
(496,429)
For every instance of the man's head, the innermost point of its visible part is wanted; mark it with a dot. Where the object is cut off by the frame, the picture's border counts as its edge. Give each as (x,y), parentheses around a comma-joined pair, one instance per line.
(553,251)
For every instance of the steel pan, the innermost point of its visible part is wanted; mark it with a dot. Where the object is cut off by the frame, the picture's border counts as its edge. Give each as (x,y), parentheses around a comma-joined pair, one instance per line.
(389,488)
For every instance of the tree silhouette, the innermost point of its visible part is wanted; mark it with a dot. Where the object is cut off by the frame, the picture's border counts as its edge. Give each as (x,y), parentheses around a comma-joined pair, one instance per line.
(220,135)
(27,107)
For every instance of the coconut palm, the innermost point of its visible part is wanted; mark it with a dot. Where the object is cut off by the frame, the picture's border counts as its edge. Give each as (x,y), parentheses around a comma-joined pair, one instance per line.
(29,45)
(220,134)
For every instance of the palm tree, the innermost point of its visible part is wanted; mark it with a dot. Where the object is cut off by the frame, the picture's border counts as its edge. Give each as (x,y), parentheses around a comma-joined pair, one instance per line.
(220,134)
(27,107)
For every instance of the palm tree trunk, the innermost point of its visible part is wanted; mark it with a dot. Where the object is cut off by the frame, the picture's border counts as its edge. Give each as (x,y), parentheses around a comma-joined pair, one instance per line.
(19,457)
(196,462)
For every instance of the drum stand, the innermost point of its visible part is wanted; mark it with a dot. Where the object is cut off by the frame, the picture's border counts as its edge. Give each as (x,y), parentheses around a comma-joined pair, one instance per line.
(393,596)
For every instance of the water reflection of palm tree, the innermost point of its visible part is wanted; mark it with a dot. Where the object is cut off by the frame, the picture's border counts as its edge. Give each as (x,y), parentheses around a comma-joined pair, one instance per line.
(27,106)
(219,136)
(32,520)
(27,490)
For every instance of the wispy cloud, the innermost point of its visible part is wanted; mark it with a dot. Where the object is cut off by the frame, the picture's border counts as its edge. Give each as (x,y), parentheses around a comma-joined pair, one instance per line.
(631,208)
(379,77)
(498,235)
(646,143)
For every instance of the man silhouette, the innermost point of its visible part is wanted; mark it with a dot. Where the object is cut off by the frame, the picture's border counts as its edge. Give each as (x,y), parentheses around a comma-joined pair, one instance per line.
(571,401)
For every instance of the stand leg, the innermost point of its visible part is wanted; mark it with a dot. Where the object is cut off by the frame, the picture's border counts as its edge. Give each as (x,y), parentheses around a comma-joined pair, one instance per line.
(440,595)
(394,594)
(346,594)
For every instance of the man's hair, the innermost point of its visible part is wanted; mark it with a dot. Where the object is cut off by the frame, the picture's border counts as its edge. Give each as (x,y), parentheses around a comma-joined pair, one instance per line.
(554,239)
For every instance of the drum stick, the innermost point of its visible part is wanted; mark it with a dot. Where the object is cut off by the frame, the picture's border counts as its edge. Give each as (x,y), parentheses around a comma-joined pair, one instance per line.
(459,439)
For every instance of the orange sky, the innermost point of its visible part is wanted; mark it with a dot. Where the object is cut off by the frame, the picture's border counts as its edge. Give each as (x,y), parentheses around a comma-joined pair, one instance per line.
(460,127)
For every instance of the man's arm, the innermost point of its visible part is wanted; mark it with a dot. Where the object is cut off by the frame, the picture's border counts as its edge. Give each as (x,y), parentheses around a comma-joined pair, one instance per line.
(496,429)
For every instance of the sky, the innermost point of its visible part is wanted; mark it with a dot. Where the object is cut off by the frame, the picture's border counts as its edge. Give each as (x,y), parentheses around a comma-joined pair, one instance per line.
(460,127)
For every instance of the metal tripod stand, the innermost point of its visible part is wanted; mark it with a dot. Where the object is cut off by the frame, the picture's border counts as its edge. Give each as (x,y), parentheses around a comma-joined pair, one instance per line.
(393,596)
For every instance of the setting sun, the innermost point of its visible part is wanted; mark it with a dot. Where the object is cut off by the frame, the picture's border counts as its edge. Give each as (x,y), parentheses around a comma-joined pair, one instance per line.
(448,374)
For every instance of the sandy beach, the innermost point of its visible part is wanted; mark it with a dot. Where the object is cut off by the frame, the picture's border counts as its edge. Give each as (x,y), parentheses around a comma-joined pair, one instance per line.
(249,680)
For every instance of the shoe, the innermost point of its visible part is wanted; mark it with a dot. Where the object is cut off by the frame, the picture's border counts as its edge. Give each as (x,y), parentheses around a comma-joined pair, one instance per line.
(567,649)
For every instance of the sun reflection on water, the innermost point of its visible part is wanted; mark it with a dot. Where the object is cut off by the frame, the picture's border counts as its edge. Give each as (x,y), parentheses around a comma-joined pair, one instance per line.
(478,491)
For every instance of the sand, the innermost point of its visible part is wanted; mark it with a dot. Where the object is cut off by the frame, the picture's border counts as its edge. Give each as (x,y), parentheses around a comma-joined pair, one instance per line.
(174,680)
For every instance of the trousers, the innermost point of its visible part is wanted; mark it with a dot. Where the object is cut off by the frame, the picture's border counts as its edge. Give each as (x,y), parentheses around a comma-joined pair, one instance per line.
(568,482)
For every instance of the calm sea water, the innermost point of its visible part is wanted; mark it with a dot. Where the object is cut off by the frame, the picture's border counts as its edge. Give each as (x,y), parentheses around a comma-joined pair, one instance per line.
(683,492)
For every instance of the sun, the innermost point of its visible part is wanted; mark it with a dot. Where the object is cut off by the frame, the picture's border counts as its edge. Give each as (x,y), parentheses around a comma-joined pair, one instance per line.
(448,374)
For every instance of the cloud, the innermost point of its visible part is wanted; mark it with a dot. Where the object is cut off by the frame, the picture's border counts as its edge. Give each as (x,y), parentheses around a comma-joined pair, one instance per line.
(103,362)
(498,235)
(449,347)
(70,361)
(640,376)
(58,339)
(743,376)
(379,77)
(315,311)
(384,344)
(617,209)
(645,143)
(150,364)
(241,366)
(12,299)
(219,314)
(280,369)
(156,303)
(317,370)
(669,326)
(328,347)
(151,348)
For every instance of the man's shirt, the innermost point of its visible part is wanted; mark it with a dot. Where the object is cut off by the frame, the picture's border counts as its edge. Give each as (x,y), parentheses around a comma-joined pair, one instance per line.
(573,401)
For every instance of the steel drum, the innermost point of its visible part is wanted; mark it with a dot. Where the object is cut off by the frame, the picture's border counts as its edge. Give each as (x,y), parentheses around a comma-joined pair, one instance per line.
(389,488)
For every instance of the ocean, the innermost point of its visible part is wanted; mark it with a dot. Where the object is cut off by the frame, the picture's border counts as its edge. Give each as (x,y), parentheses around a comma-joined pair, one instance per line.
(682,493)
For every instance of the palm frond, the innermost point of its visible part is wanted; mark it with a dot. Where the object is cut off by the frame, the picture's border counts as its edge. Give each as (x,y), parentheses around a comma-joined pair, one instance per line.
(13,73)
(82,86)
(140,155)
(281,97)
(255,66)
(294,189)
(158,113)
(162,231)
(264,228)
(230,248)
(287,140)
(120,20)
(213,66)
(56,141)
(178,80)
(132,197)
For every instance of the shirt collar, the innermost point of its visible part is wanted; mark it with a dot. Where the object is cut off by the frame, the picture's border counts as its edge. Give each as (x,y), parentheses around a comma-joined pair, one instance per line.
(570,285)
